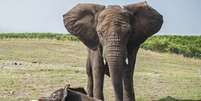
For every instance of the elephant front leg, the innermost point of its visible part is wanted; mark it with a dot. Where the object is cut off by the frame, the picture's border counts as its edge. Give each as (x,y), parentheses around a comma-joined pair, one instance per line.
(98,72)
(98,79)
(90,78)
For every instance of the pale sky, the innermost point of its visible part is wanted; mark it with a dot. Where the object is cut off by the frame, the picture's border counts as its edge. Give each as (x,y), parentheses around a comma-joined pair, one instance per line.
(180,16)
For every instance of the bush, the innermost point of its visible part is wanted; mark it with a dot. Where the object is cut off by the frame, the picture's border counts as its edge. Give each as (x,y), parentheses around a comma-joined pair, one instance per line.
(188,46)
(57,36)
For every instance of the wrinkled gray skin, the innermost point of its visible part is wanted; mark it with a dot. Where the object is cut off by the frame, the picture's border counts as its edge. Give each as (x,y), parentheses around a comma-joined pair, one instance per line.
(113,35)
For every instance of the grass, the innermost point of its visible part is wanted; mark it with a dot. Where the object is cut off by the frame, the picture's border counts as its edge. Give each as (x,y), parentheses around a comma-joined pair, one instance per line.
(32,68)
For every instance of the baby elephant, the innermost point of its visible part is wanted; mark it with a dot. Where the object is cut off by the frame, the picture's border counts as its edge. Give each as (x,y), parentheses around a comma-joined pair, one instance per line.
(68,94)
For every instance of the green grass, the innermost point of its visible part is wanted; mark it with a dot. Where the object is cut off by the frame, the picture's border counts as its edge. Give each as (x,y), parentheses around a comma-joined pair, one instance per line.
(32,68)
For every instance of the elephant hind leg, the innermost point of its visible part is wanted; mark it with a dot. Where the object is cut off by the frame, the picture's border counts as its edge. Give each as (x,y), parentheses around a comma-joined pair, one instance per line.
(90,78)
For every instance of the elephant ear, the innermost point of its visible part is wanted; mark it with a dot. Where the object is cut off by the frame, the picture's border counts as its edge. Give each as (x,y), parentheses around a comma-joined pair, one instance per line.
(81,22)
(145,21)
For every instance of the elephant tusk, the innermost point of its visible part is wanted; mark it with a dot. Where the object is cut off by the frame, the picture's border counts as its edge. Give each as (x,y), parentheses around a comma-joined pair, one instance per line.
(104,61)
(126,60)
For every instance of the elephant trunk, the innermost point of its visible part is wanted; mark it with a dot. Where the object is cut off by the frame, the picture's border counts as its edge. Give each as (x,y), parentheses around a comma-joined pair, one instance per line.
(115,50)
(115,56)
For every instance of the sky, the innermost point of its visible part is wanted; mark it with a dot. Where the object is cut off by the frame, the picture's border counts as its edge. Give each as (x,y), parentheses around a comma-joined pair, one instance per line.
(180,16)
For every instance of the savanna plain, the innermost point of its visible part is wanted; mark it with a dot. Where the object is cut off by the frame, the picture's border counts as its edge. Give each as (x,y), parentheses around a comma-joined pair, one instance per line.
(34,67)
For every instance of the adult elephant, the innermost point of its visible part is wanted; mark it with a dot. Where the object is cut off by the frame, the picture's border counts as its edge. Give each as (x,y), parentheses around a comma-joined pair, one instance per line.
(113,35)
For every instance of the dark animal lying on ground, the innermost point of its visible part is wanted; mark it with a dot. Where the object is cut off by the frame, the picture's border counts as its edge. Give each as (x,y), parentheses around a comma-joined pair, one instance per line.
(68,94)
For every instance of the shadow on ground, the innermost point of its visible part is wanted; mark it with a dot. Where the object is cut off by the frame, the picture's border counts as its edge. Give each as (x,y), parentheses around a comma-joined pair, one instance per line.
(169,98)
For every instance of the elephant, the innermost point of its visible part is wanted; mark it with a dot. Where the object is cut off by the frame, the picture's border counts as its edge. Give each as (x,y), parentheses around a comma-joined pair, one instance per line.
(113,35)
(68,94)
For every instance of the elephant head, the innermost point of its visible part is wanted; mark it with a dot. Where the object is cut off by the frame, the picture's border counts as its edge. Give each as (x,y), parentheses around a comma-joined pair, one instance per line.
(112,28)
(96,24)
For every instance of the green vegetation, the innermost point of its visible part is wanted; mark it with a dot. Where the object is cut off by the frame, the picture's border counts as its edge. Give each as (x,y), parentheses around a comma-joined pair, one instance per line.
(58,36)
(188,46)
(30,69)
